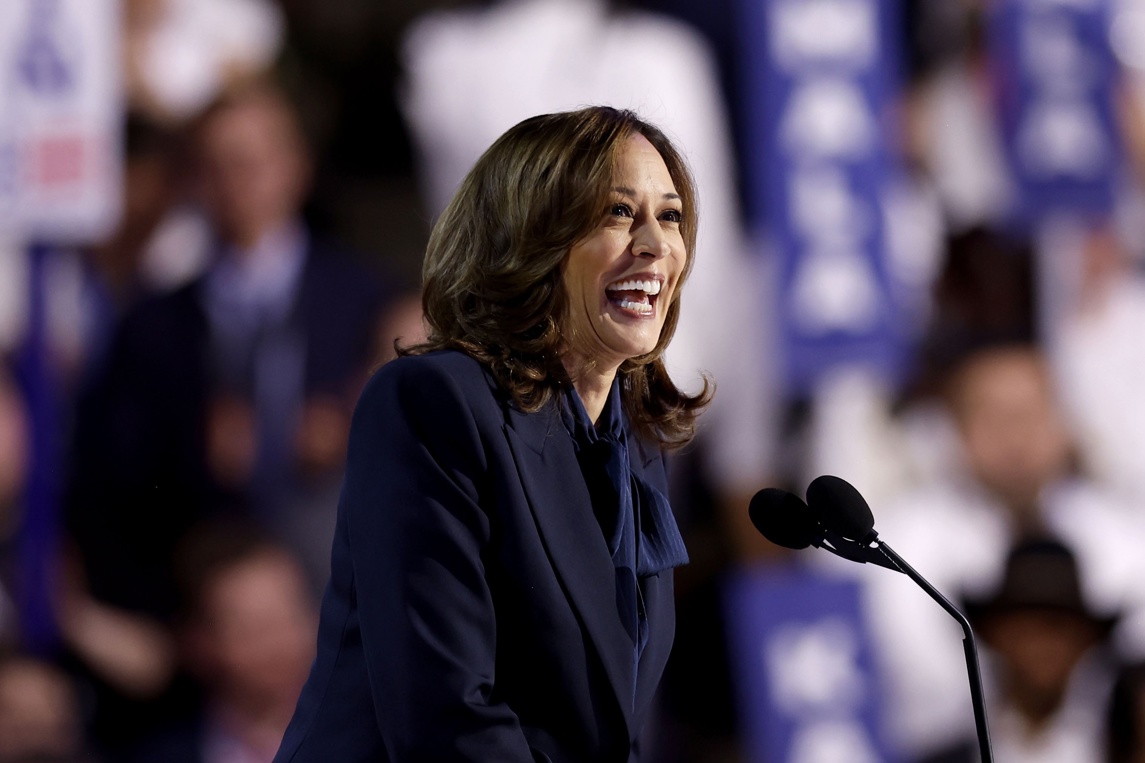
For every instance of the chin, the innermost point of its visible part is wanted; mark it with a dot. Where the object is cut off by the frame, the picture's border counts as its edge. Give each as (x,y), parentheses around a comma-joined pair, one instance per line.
(627,351)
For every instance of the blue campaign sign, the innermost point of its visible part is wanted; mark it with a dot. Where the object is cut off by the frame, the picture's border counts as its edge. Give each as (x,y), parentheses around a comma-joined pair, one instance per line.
(821,79)
(801,658)
(1057,103)
(61,119)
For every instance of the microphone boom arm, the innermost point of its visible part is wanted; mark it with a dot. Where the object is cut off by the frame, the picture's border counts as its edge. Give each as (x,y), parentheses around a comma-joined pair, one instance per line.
(973,669)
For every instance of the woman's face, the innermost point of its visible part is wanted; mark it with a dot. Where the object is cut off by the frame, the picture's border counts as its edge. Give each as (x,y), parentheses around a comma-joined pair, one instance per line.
(621,278)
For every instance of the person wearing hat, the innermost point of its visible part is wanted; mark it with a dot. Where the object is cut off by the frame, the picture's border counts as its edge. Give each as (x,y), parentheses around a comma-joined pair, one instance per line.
(1050,676)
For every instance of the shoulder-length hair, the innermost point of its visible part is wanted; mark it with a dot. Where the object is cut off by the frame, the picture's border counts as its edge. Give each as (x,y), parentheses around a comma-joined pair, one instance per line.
(491,279)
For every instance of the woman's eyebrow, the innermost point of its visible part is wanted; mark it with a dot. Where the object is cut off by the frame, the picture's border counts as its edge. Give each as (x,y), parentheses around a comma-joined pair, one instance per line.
(626,191)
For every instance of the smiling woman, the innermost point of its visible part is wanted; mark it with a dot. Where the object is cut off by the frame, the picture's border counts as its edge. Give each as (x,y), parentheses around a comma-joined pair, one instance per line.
(501,582)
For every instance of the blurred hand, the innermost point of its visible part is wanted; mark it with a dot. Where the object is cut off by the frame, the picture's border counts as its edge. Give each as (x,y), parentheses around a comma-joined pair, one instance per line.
(128,650)
(320,442)
(14,445)
(232,442)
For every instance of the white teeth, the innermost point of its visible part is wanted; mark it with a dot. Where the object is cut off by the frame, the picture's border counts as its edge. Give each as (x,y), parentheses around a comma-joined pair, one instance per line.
(651,288)
(639,307)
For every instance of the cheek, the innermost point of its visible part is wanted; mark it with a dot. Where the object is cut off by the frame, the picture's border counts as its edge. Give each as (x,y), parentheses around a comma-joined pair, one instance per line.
(680,259)
(576,286)
(579,267)
(679,266)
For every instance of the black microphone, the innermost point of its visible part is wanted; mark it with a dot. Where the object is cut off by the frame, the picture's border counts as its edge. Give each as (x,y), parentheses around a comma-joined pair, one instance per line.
(840,508)
(783,519)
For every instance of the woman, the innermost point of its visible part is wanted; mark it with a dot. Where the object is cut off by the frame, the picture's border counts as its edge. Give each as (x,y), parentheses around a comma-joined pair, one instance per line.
(501,584)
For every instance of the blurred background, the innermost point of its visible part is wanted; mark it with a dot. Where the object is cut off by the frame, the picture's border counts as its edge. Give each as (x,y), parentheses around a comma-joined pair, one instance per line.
(920,268)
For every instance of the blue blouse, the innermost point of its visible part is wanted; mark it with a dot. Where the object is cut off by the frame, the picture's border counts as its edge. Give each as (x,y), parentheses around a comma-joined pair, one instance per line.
(636,518)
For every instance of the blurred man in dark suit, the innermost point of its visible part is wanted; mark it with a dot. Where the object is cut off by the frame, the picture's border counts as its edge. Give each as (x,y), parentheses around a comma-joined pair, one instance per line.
(230,395)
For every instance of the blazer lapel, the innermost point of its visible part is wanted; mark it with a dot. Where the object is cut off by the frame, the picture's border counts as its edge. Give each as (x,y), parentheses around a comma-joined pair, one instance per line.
(562,507)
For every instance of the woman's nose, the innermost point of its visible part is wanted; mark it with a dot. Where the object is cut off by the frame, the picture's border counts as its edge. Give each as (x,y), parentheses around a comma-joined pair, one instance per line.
(650,241)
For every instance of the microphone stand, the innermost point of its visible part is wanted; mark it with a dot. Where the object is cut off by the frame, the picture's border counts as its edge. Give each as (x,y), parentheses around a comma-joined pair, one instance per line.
(973,669)
(885,556)
(871,550)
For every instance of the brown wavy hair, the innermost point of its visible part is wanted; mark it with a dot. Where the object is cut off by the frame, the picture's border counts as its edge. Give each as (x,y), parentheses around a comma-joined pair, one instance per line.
(491,280)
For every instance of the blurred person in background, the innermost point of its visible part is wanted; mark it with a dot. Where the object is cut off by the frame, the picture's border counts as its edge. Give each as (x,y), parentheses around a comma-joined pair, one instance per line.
(1049,658)
(1090,281)
(230,395)
(229,390)
(888,440)
(179,56)
(97,642)
(1015,474)
(247,634)
(87,290)
(1098,355)
(41,716)
(119,271)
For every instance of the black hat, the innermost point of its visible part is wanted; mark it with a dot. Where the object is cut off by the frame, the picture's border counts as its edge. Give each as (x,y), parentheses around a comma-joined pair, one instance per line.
(1041,573)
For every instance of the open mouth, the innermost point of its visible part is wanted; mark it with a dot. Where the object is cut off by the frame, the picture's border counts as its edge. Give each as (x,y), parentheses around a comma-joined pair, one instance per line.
(635,295)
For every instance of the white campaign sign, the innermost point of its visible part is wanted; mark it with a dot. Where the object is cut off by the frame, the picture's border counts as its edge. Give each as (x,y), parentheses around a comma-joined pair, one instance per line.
(61,116)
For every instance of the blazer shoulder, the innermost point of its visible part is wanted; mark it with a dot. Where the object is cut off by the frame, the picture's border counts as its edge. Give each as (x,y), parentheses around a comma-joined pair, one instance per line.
(438,381)
(436,367)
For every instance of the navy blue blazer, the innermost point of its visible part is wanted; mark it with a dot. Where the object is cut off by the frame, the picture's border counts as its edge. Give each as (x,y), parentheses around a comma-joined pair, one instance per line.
(471,613)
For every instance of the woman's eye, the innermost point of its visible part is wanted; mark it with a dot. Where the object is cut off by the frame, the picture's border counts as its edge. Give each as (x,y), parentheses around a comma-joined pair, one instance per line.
(672,216)
(621,210)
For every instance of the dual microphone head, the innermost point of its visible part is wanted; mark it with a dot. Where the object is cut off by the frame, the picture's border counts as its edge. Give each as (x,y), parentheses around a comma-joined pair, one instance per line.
(834,511)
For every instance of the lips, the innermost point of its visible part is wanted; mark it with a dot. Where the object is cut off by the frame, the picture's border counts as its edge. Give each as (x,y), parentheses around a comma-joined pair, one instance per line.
(635,294)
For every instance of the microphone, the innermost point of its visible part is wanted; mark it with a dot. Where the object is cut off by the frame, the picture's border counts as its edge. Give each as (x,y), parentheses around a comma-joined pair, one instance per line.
(785,520)
(837,511)
(839,506)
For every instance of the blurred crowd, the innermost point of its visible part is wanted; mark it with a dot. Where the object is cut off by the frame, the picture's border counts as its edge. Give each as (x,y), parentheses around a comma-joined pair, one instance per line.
(189,379)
